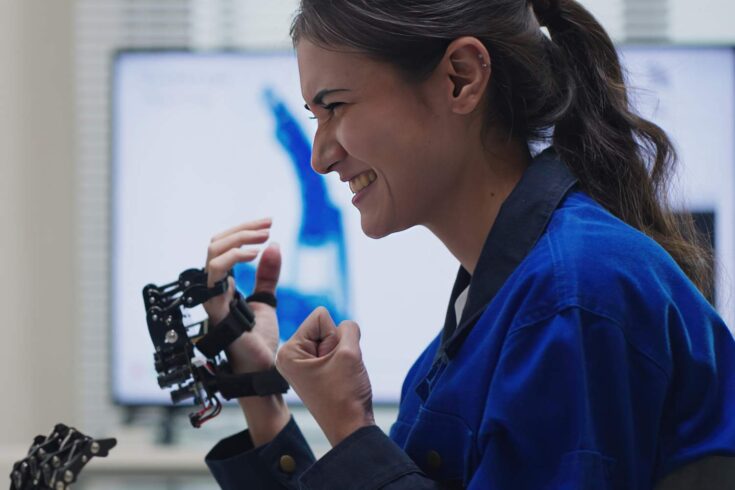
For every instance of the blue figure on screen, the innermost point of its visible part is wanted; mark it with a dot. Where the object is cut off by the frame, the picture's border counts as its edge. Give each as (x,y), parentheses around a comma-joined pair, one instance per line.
(320,264)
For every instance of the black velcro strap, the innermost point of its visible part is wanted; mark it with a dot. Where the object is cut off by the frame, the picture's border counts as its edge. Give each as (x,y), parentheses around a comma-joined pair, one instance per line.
(251,384)
(263,297)
(195,290)
(240,320)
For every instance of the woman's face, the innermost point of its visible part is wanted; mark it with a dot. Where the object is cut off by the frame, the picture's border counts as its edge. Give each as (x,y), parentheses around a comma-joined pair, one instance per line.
(393,142)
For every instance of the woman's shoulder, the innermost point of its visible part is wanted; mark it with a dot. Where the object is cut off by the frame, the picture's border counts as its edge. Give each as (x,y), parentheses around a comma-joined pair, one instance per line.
(590,261)
(597,262)
(581,228)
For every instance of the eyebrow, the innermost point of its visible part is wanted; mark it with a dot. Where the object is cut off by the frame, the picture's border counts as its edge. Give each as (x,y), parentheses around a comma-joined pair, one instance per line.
(319,97)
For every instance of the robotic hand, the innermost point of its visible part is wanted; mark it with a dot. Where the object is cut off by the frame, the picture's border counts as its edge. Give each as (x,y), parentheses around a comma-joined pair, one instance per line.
(174,358)
(55,461)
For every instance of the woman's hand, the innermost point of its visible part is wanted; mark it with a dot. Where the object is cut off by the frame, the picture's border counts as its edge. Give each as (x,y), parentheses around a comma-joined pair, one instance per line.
(323,364)
(254,350)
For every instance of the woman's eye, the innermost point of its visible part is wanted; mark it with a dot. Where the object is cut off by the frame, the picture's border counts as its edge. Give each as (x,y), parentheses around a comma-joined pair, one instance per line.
(333,106)
(329,107)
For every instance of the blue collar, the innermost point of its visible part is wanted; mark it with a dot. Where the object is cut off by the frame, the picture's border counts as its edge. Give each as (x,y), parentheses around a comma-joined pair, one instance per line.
(521,221)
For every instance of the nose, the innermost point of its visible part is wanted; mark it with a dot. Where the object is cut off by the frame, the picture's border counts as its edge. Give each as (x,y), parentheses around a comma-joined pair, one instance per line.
(327,151)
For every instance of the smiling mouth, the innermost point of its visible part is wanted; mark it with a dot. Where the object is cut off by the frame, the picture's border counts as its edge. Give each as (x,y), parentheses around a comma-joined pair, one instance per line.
(362,181)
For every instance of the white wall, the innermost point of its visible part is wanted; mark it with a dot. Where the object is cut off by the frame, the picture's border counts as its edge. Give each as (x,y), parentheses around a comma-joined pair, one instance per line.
(37,212)
(11,240)
(702,21)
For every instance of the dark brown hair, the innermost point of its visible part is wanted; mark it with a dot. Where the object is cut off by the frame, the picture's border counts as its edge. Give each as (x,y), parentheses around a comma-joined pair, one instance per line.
(571,83)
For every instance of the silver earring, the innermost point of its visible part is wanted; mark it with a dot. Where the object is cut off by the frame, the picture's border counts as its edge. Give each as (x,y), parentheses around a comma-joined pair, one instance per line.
(484,65)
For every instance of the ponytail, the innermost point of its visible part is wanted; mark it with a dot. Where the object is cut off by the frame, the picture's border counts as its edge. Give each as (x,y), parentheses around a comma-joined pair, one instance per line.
(622,160)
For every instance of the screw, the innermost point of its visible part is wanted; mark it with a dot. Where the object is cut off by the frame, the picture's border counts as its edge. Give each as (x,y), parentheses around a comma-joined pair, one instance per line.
(94,448)
(84,459)
(155,318)
(68,476)
(152,299)
(60,485)
(189,300)
(171,337)
(187,284)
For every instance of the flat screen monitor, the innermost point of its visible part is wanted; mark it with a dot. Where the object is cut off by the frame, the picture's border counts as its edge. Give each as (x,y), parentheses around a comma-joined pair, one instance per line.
(205,141)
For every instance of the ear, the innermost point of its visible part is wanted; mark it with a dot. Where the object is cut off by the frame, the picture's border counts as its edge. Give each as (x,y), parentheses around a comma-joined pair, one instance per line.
(467,67)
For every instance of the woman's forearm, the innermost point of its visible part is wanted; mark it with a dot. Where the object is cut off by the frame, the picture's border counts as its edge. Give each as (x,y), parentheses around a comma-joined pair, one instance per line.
(266,417)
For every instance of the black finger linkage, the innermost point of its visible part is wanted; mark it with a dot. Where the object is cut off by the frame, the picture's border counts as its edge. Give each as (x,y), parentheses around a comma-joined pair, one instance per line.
(54,462)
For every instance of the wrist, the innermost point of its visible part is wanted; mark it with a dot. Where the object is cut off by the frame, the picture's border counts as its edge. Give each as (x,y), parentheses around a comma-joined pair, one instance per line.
(251,365)
(266,417)
(341,430)
(248,360)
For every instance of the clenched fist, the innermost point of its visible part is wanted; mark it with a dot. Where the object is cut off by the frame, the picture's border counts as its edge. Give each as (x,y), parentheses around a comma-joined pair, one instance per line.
(323,364)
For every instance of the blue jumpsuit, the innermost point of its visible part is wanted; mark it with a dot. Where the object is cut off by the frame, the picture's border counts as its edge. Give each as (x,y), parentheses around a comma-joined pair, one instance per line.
(584,359)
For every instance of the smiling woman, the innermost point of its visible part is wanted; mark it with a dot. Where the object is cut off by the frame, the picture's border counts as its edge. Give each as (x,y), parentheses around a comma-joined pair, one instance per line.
(403,134)
(578,350)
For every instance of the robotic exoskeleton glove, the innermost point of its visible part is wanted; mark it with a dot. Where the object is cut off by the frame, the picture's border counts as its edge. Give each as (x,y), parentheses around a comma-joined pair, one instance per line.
(174,342)
(54,462)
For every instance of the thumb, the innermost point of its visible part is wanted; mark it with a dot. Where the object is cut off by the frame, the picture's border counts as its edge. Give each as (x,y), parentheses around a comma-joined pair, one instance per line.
(269,269)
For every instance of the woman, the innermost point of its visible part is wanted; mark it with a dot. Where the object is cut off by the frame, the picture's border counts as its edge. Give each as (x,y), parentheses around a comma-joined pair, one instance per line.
(578,350)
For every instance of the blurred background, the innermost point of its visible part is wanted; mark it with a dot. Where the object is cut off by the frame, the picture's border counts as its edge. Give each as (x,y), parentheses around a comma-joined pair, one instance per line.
(57,202)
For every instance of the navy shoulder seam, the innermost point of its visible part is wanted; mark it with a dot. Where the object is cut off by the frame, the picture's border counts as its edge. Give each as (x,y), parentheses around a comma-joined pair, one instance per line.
(540,320)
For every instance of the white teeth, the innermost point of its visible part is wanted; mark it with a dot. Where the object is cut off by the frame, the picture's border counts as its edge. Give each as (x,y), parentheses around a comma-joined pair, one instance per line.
(361,181)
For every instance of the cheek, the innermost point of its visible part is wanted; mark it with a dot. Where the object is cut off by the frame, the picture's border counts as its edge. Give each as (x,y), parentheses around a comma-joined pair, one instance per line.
(379,137)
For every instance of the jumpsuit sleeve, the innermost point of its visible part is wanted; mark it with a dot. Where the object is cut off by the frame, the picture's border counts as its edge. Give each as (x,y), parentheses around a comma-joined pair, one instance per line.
(367,459)
(236,464)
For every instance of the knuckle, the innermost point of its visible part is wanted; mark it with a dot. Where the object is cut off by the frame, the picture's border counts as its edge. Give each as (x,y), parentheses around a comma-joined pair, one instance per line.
(349,324)
(313,316)
(346,354)
(214,267)
(321,311)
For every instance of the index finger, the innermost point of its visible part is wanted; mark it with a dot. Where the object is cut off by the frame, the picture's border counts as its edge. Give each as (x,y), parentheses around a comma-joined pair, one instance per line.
(249,226)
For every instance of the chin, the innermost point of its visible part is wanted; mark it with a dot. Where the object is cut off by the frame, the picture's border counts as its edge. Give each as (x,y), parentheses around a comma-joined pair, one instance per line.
(371,233)
(379,230)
